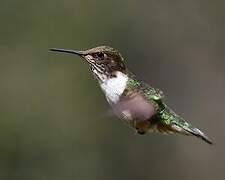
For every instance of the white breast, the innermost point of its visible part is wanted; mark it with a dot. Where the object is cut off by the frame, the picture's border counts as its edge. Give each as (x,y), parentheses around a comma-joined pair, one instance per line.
(114,87)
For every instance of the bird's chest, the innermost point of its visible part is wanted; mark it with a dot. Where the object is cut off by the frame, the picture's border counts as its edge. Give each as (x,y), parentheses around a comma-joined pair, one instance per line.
(114,87)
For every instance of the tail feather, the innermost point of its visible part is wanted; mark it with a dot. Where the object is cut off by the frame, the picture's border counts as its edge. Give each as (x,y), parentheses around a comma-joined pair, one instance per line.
(196,132)
(172,122)
(189,130)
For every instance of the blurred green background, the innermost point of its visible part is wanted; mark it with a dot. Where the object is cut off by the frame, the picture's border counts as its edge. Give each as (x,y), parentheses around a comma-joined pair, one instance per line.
(52,112)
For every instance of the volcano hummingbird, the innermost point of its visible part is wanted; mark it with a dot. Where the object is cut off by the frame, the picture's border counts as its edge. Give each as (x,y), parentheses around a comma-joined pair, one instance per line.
(135,102)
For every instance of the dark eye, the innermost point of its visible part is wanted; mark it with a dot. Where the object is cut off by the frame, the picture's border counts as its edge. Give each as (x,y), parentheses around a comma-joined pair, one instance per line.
(100,55)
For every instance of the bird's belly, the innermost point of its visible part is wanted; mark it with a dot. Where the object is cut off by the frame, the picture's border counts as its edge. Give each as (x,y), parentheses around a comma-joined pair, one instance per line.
(140,125)
(136,111)
(134,108)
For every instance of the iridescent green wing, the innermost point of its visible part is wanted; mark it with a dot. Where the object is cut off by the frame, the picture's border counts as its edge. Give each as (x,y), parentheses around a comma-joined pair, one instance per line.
(153,95)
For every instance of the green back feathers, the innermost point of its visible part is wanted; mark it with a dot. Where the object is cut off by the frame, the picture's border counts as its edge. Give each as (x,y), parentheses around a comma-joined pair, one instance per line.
(150,93)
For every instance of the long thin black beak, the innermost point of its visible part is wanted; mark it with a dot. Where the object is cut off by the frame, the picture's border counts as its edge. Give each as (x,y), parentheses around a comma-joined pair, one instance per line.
(79,53)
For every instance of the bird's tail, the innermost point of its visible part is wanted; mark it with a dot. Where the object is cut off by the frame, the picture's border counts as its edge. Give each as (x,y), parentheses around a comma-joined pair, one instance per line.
(198,133)
(177,124)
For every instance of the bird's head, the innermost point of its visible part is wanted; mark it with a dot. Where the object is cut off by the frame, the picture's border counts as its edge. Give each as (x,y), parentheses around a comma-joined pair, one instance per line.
(104,61)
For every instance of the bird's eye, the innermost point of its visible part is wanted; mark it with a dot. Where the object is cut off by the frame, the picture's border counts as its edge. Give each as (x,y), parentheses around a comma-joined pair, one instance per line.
(100,55)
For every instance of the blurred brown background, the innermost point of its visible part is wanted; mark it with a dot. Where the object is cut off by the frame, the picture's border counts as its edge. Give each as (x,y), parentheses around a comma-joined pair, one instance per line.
(52,123)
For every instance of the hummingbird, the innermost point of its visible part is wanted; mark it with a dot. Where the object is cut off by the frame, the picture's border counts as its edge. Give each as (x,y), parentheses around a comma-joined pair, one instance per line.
(138,104)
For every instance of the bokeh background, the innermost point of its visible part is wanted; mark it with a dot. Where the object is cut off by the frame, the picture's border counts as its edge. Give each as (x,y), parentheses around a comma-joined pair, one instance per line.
(52,112)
